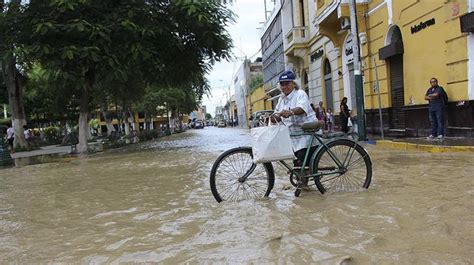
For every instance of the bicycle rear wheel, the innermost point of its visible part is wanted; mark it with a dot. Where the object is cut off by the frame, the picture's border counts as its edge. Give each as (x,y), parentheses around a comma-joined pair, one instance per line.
(354,174)
(234,176)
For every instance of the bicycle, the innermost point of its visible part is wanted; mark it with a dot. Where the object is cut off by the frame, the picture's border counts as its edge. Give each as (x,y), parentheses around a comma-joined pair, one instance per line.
(234,176)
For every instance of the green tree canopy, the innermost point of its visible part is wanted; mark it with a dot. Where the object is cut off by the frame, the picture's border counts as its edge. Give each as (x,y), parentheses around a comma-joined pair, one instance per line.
(123,46)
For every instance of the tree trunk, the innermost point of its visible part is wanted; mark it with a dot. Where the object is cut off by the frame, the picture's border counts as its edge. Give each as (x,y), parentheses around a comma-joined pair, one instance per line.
(125,121)
(108,120)
(131,119)
(147,122)
(15,83)
(83,120)
(127,127)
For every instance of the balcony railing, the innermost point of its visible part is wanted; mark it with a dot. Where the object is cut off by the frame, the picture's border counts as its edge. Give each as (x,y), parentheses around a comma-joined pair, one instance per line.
(297,35)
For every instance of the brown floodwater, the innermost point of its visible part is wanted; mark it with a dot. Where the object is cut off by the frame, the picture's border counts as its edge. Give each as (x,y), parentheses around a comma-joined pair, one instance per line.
(152,203)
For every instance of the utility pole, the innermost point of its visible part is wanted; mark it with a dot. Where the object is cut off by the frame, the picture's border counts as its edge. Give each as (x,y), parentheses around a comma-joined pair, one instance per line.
(357,73)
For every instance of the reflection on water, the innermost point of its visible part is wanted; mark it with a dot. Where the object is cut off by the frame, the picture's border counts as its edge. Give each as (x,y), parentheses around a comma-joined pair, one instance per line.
(152,202)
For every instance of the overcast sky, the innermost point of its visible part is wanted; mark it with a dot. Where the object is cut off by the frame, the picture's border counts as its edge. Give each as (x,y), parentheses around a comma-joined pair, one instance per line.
(246,44)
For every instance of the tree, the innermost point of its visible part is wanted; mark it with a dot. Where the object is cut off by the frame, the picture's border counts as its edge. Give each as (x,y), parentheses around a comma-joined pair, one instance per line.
(208,116)
(3,91)
(48,99)
(86,42)
(13,77)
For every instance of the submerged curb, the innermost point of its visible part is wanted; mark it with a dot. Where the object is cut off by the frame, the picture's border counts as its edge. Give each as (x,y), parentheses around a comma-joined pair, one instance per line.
(423,147)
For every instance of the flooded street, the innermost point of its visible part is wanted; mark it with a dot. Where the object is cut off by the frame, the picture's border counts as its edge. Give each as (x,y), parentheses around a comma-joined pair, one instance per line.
(152,203)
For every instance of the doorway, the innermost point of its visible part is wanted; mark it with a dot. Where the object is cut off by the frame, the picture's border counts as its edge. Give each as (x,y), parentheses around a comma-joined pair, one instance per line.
(328,85)
(397,91)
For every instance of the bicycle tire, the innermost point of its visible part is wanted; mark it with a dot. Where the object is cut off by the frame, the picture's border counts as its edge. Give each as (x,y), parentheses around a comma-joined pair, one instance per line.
(357,175)
(230,166)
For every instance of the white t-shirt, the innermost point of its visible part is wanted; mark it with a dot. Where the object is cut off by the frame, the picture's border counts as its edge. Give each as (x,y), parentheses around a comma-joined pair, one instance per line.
(297,98)
(10,133)
(27,134)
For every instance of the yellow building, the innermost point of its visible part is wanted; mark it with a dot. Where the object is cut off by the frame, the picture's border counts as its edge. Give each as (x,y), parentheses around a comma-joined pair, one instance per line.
(256,101)
(404,43)
(139,121)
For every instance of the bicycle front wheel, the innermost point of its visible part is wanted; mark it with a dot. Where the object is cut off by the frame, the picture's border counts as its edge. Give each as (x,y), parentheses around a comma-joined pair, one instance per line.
(235,177)
(352,173)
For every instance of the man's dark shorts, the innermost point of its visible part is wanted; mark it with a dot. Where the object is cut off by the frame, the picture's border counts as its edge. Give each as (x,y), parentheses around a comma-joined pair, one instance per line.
(10,141)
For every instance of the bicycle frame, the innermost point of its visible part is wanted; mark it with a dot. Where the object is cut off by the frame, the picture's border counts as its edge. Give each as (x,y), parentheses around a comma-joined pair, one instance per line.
(341,165)
(322,144)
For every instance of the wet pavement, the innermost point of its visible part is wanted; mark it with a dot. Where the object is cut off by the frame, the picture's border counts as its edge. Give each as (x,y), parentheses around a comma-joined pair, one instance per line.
(152,203)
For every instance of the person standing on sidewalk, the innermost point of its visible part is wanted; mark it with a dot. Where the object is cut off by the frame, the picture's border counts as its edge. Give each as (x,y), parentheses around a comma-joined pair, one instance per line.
(435,109)
(330,120)
(345,115)
(321,113)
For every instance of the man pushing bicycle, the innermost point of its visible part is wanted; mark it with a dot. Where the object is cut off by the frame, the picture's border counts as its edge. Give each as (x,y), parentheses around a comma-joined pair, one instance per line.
(294,109)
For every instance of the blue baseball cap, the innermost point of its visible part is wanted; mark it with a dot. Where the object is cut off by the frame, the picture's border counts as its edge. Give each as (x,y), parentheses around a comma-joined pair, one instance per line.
(287,76)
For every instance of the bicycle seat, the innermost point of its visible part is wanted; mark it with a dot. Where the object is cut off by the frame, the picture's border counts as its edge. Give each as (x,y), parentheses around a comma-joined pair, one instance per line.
(312,126)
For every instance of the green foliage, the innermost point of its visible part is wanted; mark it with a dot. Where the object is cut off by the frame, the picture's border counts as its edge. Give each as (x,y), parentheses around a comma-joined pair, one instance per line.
(5,122)
(3,91)
(53,135)
(94,123)
(157,100)
(122,39)
(149,135)
(256,82)
(114,51)
(208,116)
(50,98)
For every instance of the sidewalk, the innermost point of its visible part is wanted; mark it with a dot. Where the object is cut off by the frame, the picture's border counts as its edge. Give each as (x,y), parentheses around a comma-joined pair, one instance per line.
(449,144)
(44,150)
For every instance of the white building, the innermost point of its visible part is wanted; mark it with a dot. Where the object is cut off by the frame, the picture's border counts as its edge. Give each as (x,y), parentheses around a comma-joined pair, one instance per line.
(241,87)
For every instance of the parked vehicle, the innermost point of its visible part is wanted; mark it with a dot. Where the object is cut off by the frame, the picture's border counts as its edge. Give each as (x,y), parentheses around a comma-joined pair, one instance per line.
(256,117)
(221,124)
(198,124)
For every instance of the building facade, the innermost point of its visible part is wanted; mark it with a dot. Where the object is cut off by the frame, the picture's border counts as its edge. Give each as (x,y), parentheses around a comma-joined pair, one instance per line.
(403,44)
(241,87)
(257,100)
(273,56)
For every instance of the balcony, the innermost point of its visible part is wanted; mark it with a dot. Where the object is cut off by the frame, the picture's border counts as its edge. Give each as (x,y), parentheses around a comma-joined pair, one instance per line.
(298,35)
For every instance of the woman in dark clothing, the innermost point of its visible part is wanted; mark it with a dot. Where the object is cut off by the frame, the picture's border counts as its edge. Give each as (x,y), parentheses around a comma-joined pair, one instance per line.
(345,115)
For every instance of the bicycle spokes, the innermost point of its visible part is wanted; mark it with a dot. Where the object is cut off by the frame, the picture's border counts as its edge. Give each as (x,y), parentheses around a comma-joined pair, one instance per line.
(343,166)
(236,177)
